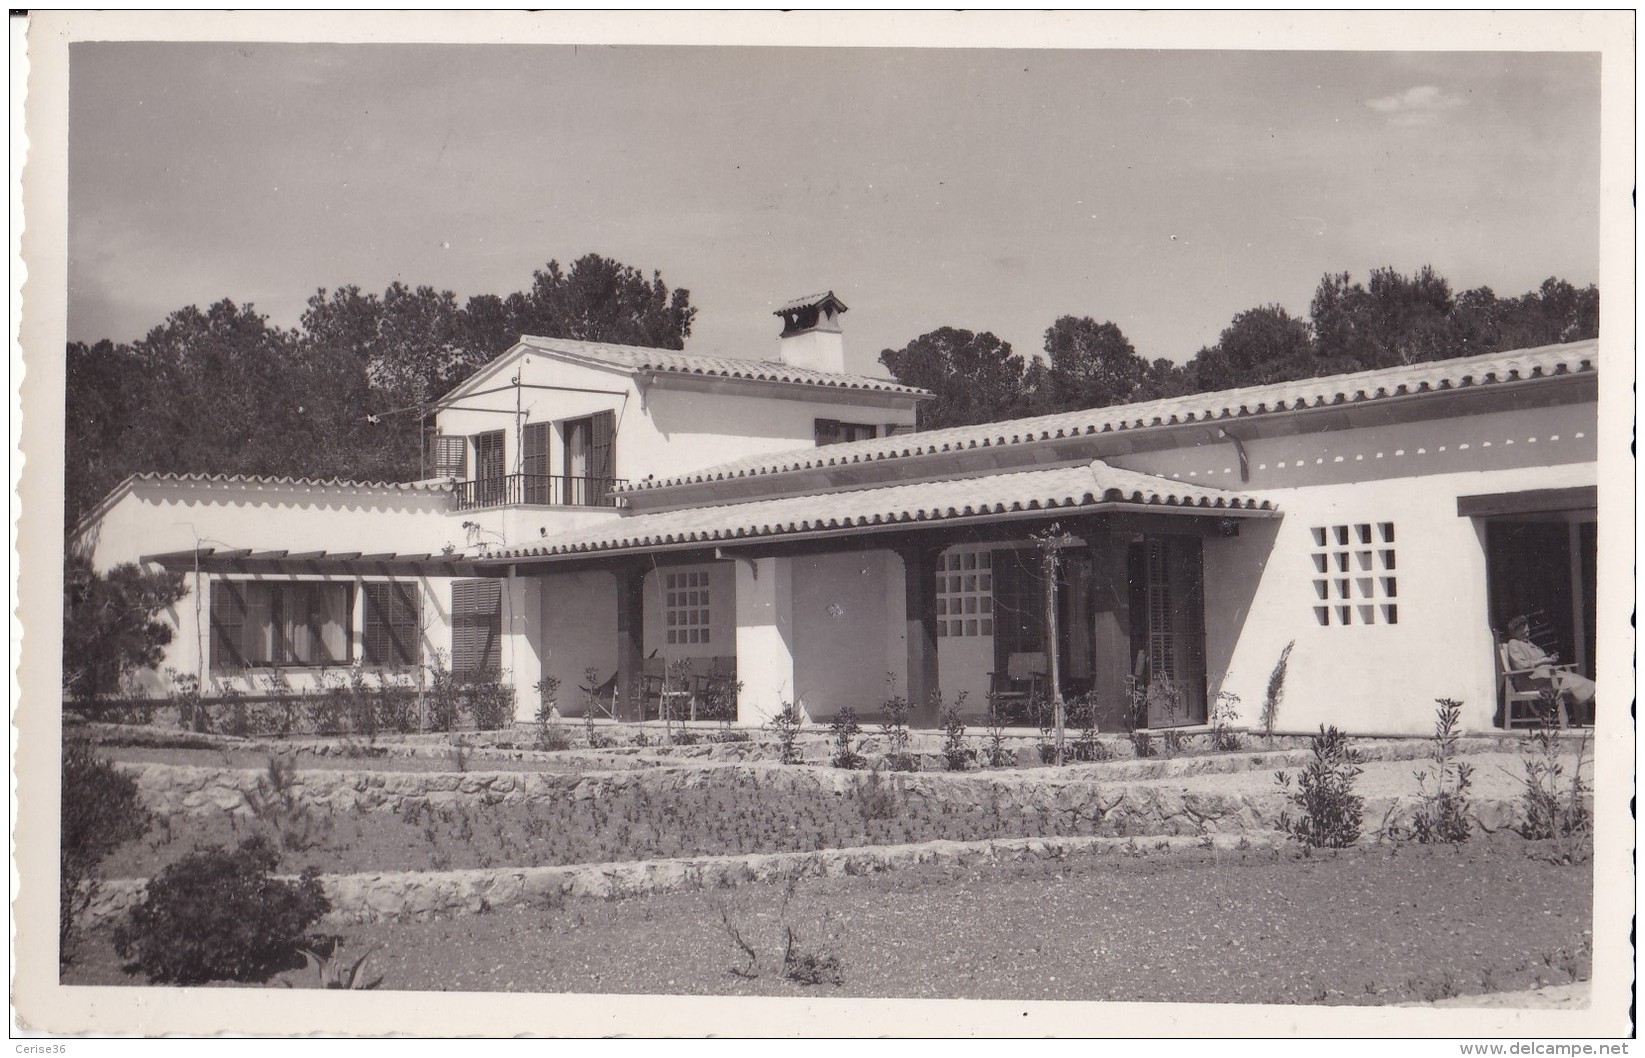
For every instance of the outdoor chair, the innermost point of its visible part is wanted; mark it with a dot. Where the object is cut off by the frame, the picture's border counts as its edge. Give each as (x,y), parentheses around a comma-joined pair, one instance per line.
(1022,683)
(1520,687)
(662,691)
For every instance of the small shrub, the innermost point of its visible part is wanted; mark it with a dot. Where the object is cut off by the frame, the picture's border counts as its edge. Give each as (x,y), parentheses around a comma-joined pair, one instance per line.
(786,726)
(843,730)
(1142,744)
(957,753)
(729,734)
(1331,811)
(1442,813)
(894,727)
(1555,808)
(876,798)
(687,738)
(1224,712)
(1276,692)
(100,811)
(442,700)
(185,695)
(277,804)
(490,702)
(548,695)
(994,753)
(1082,713)
(217,914)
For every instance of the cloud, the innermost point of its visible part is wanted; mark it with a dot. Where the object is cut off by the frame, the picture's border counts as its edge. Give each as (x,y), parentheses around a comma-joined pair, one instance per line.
(1421,105)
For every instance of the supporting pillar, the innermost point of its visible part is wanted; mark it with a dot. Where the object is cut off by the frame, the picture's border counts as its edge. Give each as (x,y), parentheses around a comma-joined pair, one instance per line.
(765,638)
(919,565)
(630,640)
(522,638)
(1111,625)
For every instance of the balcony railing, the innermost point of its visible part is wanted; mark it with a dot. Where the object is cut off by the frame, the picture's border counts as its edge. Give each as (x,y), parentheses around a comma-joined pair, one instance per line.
(546,490)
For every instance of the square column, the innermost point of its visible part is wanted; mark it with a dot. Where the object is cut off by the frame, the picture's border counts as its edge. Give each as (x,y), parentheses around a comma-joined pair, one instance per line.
(765,637)
(919,566)
(630,640)
(522,642)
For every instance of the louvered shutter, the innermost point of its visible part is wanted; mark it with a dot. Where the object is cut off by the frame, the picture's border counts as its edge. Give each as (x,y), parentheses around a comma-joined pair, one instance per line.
(476,628)
(406,624)
(377,632)
(535,456)
(449,456)
(228,626)
(602,458)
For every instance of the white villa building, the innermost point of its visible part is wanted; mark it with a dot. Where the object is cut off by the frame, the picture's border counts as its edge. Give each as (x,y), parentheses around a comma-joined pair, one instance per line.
(606,507)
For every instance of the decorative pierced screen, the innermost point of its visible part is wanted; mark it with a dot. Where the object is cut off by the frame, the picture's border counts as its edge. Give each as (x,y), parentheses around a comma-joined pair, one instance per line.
(1355,582)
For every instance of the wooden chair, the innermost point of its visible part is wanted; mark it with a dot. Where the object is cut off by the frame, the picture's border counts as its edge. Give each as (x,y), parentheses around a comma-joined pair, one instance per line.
(659,688)
(1521,686)
(1022,682)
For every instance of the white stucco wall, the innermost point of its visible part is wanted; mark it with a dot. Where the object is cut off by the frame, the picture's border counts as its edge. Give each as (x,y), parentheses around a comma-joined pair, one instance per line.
(848,631)
(673,427)
(578,631)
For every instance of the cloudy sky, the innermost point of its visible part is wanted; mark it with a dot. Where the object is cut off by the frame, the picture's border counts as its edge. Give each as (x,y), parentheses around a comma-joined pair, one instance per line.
(987,189)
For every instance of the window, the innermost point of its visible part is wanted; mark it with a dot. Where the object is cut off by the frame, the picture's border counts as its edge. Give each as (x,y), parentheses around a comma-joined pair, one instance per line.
(1355,579)
(476,628)
(965,594)
(393,632)
(685,606)
(591,460)
(449,456)
(489,467)
(897,429)
(261,624)
(833,431)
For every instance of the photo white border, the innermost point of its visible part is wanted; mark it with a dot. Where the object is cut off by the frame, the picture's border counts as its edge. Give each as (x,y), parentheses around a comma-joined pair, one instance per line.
(41,1005)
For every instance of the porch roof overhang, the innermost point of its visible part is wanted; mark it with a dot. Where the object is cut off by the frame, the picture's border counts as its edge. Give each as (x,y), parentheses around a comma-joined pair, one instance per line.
(1084,489)
(316,563)
(1530,501)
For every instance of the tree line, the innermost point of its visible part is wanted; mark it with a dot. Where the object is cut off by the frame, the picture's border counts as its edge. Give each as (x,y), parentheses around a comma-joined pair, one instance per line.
(342,393)
(1389,320)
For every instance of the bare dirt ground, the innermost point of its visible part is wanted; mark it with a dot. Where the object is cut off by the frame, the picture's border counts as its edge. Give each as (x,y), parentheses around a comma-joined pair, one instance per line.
(1364,926)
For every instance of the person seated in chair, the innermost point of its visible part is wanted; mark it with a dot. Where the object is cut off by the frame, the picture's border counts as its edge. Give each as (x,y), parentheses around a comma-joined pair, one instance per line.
(1569,689)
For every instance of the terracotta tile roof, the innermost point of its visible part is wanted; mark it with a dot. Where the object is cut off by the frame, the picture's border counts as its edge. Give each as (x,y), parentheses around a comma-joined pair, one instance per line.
(250,480)
(1082,486)
(440,485)
(806,302)
(1382,384)
(669,361)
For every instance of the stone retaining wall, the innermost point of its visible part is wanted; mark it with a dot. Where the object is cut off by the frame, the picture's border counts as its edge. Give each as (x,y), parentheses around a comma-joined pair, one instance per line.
(1086,789)
(424,895)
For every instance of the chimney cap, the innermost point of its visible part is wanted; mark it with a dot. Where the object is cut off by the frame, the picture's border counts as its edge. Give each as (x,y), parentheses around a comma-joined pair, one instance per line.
(815,312)
(811,301)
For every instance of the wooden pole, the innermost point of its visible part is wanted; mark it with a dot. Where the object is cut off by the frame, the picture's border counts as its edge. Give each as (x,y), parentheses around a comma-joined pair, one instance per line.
(1048,564)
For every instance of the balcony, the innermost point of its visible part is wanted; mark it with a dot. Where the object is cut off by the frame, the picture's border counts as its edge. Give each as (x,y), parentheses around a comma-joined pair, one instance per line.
(537,490)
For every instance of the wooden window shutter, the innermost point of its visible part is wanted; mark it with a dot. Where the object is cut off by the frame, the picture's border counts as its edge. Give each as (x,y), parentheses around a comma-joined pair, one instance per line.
(378,648)
(449,456)
(602,456)
(476,627)
(534,445)
(407,627)
(228,626)
(827,431)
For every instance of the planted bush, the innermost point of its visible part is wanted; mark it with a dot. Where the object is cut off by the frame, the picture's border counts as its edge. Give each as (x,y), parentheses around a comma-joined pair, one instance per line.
(1331,812)
(218,914)
(1442,813)
(1556,808)
(843,730)
(786,724)
(895,729)
(100,811)
(957,754)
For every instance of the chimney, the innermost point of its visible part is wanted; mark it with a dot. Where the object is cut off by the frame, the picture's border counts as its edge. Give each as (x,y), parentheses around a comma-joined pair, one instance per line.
(811,333)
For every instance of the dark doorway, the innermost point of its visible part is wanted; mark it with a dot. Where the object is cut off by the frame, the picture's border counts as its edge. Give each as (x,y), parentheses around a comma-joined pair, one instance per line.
(1167,606)
(1544,566)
